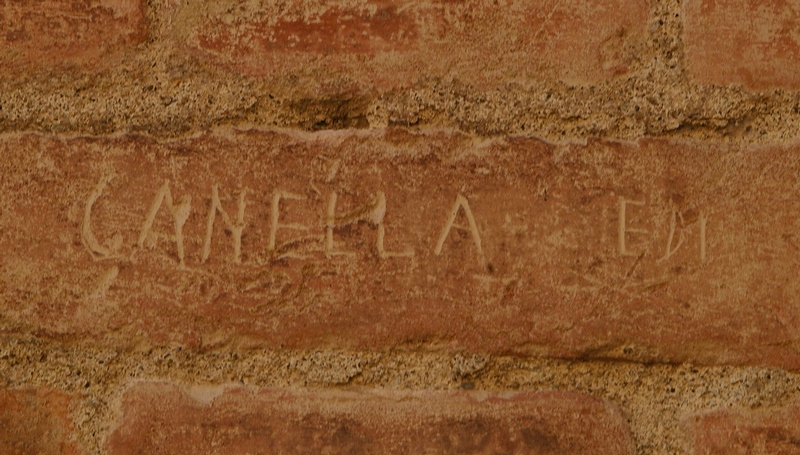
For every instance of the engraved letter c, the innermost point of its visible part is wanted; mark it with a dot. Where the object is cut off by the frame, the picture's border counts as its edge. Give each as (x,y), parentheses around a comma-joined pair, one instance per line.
(87,236)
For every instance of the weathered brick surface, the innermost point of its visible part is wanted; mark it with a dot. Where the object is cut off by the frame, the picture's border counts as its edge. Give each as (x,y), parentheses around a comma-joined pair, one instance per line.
(160,419)
(388,44)
(147,239)
(750,42)
(48,34)
(507,245)
(765,431)
(35,421)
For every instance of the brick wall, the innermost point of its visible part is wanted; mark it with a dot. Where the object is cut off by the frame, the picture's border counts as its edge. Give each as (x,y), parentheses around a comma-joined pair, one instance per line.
(395,226)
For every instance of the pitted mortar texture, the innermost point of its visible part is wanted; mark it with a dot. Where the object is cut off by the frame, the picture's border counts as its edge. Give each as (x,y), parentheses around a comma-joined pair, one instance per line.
(654,398)
(167,93)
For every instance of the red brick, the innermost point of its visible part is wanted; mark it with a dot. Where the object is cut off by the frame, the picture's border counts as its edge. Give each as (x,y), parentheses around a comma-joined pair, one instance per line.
(161,419)
(35,421)
(765,431)
(551,279)
(46,34)
(392,43)
(750,42)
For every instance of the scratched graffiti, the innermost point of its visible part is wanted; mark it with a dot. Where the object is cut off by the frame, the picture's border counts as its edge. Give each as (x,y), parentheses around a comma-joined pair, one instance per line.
(393,238)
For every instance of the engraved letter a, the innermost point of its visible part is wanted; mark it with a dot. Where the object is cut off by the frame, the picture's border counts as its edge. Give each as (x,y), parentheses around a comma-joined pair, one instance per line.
(179,211)
(461,203)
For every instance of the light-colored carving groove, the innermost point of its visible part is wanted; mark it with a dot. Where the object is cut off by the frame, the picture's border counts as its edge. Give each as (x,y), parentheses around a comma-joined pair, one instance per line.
(96,250)
(334,169)
(373,213)
(461,204)
(672,225)
(670,239)
(703,230)
(180,213)
(275,223)
(546,20)
(104,283)
(624,229)
(235,228)
(330,224)
(380,212)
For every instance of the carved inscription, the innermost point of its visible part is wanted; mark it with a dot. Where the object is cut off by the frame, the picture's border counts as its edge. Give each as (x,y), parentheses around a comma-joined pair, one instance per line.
(372,213)
(234,227)
(673,223)
(179,212)
(472,227)
(96,250)
(677,227)
(275,223)
(624,229)
(374,239)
